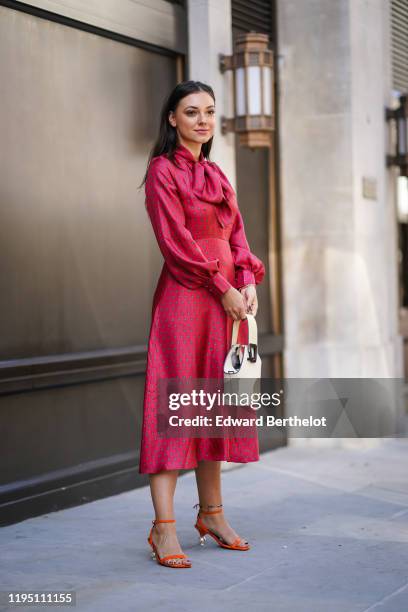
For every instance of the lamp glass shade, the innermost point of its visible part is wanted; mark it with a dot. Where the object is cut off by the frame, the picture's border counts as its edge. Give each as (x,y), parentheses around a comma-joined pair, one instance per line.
(240,91)
(406,134)
(402,199)
(402,135)
(267,90)
(254,90)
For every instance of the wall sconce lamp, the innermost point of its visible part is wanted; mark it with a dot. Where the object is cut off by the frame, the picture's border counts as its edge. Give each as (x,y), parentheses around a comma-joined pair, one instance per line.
(400,116)
(252,66)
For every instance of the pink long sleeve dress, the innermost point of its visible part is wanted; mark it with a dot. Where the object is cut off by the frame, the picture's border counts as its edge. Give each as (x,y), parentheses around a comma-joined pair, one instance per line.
(200,233)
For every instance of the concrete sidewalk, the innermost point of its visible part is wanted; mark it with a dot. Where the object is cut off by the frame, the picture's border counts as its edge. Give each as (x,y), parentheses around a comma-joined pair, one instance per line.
(328,529)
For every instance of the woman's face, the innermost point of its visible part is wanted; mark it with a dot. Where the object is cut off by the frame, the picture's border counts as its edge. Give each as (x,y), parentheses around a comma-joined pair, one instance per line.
(194,118)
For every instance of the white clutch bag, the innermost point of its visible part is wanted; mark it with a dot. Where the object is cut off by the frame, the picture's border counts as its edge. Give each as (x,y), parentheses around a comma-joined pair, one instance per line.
(242,365)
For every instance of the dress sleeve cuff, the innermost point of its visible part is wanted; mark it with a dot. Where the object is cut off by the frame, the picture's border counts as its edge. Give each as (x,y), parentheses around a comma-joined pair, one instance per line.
(218,284)
(244,277)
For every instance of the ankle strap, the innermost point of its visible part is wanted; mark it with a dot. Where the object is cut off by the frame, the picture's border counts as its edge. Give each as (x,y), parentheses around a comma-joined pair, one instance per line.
(201,511)
(163,521)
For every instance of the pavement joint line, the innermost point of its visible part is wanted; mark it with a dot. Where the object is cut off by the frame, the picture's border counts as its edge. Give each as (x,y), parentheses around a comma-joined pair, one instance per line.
(249,578)
(392,489)
(399,513)
(386,598)
(311,480)
(359,490)
(211,564)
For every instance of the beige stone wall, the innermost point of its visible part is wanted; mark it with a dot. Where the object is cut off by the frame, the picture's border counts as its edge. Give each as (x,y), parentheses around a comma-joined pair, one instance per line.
(209,34)
(340,247)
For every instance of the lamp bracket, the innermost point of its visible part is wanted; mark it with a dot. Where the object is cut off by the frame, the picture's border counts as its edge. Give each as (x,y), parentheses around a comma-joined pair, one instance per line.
(225,62)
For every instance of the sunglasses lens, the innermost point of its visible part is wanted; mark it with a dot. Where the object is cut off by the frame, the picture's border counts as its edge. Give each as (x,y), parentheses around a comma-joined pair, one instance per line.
(237,357)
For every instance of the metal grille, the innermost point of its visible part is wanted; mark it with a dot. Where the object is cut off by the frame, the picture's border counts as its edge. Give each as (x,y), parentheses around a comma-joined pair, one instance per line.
(253,15)
(399,44)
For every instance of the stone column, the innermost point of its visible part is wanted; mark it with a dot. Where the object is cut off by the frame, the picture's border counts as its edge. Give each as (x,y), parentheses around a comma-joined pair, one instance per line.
(338,201)
(210,33)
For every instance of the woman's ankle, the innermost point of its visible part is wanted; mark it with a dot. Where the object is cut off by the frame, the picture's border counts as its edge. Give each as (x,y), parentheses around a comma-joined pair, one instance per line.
(209,509)
(165,528)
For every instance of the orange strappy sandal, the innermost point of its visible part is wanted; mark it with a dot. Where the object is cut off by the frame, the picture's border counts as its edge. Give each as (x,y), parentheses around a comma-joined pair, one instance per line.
(203,530)
(164,560)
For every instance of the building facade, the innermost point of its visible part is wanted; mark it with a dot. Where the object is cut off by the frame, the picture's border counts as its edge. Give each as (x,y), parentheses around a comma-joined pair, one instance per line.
(82,87)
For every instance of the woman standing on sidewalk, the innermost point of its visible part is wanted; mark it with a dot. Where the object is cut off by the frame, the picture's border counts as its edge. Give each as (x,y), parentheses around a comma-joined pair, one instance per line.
(207,281)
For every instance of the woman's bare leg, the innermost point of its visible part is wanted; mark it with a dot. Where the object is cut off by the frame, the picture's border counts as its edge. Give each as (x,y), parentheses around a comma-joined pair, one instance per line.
(208,476)
(162,487)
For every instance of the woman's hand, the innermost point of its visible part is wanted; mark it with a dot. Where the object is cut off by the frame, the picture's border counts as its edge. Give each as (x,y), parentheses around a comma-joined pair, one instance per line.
(250,299)
(234,304)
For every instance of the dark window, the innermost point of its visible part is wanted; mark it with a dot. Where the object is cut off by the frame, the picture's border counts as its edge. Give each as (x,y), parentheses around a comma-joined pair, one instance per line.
(403,243)
(256,15)
(399,44)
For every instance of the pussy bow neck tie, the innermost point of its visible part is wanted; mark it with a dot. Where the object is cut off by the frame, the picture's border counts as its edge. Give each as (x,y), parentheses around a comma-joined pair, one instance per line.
(209,185)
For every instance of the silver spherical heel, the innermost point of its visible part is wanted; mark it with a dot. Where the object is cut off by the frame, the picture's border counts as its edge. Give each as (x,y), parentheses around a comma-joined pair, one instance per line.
(153,555)
(202,540)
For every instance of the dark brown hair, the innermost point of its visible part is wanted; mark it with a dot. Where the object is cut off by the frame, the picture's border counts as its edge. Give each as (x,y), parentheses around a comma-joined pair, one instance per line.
(166,142)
